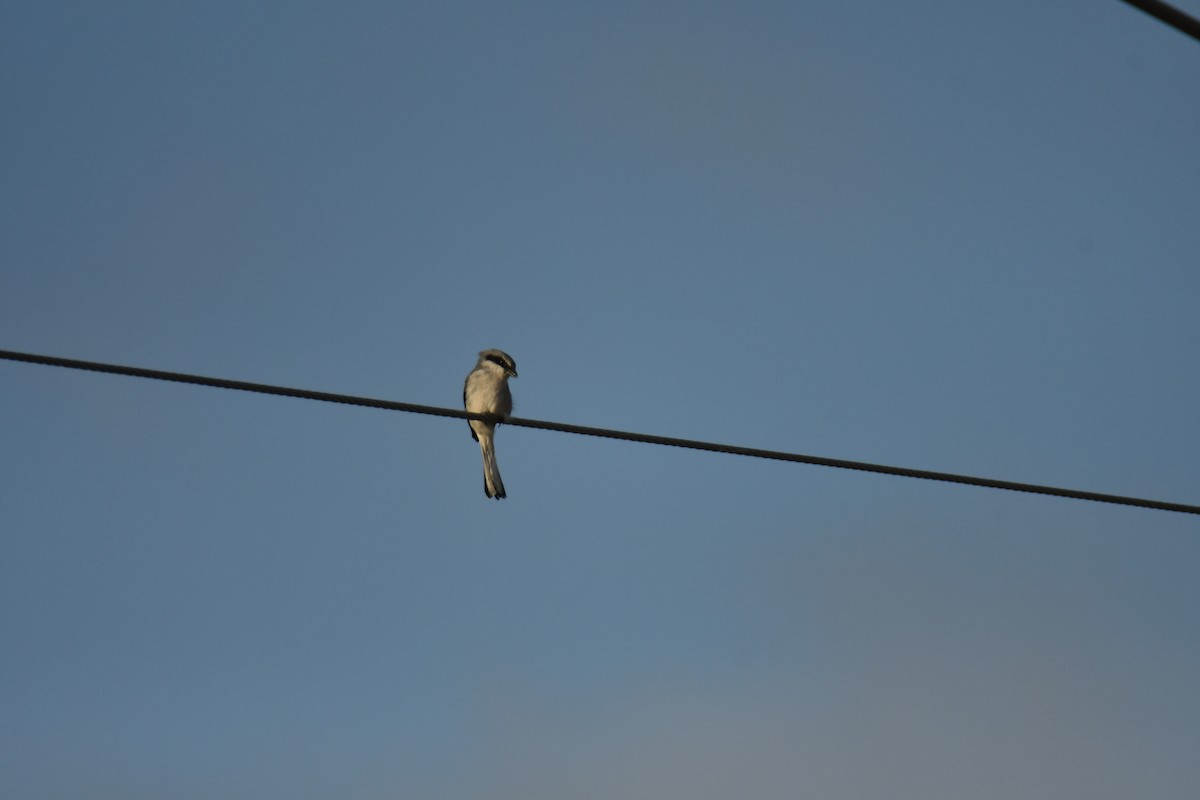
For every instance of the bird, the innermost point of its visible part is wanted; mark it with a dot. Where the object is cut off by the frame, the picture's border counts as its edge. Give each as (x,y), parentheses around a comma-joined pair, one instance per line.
(486,392)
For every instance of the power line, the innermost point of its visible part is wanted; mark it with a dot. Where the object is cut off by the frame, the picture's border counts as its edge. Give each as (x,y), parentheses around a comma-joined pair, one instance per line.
(390,405)
(1170,15)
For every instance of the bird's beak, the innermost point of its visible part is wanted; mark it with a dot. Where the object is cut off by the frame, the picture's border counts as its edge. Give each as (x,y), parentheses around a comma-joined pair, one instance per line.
(512,372)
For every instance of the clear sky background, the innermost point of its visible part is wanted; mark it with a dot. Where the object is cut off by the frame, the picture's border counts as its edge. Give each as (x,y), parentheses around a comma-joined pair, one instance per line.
(939,235)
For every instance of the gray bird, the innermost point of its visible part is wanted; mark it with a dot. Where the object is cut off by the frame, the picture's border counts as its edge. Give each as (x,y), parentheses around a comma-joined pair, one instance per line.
(486,392)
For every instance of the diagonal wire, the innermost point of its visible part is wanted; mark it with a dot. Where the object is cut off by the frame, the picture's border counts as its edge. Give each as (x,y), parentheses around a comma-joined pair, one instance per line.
(691,444)
(1170,15)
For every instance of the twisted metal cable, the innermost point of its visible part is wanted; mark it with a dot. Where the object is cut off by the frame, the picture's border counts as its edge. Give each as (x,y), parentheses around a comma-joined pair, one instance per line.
(691,444)
(1169,15)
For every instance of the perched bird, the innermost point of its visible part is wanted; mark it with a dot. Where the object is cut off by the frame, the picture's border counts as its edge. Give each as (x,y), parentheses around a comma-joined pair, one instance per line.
(486,392)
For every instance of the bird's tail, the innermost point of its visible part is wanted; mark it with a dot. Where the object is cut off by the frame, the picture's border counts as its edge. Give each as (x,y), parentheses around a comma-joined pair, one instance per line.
(492,485)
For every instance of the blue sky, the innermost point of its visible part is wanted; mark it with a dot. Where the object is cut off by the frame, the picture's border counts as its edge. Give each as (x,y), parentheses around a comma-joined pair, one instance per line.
(933,235)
